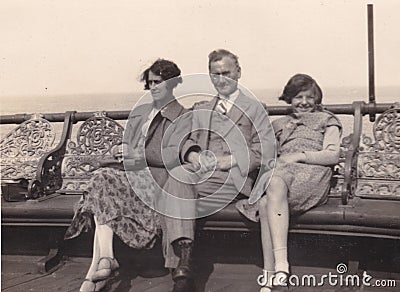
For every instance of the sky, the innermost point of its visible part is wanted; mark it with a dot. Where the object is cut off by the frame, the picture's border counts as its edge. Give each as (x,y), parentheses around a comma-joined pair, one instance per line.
(79,47)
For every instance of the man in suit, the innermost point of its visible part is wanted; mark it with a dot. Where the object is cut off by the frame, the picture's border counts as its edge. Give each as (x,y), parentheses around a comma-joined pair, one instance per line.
(231,137)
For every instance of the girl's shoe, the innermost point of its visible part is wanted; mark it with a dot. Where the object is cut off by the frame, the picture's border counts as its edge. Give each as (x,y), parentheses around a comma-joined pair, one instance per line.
(265,281)
(106,269)
(281,279)
(275,281)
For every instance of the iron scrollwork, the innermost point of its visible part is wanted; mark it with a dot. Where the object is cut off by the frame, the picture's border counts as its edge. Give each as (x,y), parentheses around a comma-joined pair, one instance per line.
(379,158)
(96,140)
(96,136)
(22,148)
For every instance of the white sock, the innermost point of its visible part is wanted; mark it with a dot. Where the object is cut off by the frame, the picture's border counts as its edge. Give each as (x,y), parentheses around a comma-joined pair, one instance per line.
(281,263)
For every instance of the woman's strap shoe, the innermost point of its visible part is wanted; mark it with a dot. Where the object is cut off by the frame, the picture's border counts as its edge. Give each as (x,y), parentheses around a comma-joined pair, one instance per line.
(87,286)
(106,269)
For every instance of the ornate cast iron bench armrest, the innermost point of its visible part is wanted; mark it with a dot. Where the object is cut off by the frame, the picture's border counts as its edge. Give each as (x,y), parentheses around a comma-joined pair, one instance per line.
(48,174)
(378,162)
(350,164)
(21,153)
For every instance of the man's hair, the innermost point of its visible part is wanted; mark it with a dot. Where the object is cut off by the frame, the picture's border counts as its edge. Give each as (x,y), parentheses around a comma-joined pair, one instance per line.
(218,54)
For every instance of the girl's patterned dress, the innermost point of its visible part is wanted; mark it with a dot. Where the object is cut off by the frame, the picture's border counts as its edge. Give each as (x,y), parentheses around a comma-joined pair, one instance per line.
(308,184)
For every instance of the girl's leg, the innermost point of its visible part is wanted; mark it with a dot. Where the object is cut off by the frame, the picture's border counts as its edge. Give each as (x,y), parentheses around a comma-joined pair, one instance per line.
(278,219)
(266,241)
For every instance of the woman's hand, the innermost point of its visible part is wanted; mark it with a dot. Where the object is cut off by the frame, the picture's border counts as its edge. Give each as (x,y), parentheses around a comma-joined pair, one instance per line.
(292,157)
(134,164)
(118,153)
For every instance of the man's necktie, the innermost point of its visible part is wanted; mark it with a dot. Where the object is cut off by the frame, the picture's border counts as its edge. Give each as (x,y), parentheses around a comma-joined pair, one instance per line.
(221,107)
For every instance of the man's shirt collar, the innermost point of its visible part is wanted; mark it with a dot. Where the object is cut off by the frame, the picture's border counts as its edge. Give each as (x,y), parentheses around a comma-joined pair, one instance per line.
(231,97)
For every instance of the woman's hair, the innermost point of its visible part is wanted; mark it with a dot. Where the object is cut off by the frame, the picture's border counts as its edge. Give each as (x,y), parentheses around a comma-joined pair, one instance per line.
(298,83)
(166,70)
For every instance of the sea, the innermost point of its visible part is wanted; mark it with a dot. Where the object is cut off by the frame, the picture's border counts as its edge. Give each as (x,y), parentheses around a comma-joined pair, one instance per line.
(126,101)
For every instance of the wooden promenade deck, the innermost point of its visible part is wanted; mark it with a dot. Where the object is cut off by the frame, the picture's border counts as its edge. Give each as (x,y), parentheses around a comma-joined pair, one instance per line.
(223,263)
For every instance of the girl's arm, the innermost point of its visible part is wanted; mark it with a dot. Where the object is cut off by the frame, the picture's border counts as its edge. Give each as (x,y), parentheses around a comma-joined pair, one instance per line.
(329,155)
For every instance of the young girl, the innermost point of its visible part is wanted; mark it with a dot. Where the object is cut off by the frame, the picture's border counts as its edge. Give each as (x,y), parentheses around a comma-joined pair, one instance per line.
(308,145)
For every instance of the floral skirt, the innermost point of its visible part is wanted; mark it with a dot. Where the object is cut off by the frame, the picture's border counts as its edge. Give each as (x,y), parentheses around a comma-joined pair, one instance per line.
(308,187)
(111,199)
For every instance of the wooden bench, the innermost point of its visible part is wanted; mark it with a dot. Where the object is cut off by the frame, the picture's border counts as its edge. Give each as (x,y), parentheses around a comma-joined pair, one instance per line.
(63,172)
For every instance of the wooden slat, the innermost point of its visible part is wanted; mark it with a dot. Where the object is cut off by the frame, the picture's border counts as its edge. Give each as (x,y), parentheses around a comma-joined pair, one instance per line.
(221,278)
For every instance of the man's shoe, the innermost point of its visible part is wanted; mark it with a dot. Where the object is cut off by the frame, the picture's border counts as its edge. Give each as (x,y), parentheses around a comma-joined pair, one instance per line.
(184,269)
(184,285)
